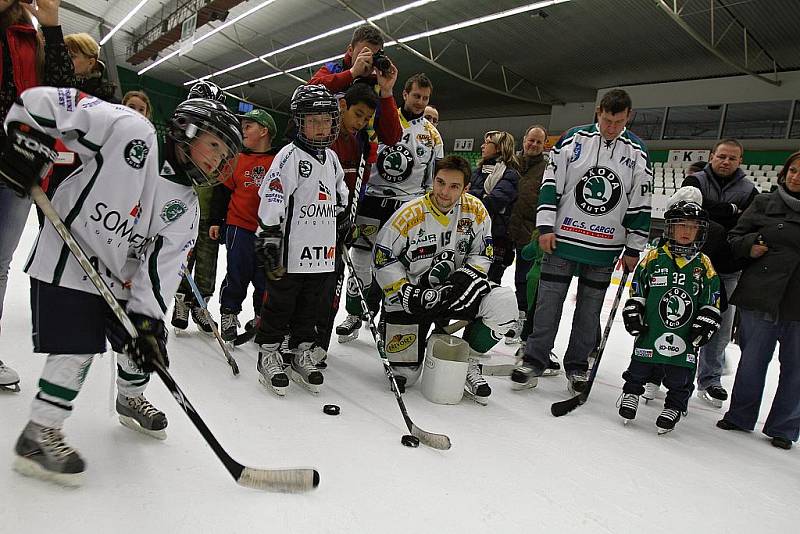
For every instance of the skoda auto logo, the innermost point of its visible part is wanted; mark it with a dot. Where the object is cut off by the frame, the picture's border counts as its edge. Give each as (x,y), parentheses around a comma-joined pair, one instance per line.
(599,191)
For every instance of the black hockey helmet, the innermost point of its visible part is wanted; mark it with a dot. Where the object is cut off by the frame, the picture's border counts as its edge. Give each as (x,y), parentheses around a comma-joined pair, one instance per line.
(315,100)
(200,115)
(206,89)
(681,212)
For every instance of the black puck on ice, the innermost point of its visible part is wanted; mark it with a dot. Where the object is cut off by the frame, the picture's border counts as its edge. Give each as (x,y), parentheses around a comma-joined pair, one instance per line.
(410,441)
(331,409)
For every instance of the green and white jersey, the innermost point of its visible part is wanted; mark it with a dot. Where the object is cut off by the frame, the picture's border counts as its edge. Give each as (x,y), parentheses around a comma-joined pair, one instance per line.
(673,290)
(595,195)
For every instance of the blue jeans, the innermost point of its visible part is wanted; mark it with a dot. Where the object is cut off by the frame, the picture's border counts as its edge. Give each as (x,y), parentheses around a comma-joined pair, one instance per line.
(556,276)
(13,216)
(242,271)
(712,355)
(521,268)
(758,338)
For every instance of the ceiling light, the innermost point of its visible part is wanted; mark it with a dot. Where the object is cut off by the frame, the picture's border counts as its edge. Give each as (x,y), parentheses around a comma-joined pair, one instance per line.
(124,20)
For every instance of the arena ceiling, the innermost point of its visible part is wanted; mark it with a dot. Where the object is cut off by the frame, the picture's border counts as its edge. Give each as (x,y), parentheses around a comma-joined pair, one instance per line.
(520,64)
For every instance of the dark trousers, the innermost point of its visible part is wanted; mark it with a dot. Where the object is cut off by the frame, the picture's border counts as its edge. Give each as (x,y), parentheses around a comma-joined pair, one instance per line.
(521,268)
(203,265)
(329,303)
(290,307)
(679,382)
(242,271)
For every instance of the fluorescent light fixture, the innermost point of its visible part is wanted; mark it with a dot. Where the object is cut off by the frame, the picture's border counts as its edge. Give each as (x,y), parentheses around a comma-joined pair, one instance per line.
(274,74)
(328,33)
(209,34)
(124,20)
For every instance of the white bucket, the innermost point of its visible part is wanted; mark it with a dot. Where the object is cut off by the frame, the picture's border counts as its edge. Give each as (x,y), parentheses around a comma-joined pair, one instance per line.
(445,369)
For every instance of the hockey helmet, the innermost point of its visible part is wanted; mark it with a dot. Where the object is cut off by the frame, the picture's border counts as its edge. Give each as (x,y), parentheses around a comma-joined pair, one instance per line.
(681,212)
(205,89)
(315,100)
(197,116)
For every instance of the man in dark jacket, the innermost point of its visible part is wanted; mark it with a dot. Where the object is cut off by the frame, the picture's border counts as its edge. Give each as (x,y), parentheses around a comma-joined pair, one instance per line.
(726,194)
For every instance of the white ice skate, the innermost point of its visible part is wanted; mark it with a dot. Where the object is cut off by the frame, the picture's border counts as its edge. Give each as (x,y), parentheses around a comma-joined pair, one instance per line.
(138,414)
(650,391)
(9,379)
(349,328)
(304,369)
(512,337)
(271,372)
(475,386)
(713,395)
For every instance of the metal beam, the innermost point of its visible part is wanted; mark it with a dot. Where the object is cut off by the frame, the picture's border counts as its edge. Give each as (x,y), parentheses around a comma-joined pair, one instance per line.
(72,8)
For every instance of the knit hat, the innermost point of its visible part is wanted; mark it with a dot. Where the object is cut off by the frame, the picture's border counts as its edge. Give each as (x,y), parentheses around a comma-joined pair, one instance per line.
(263,118)
(688,193)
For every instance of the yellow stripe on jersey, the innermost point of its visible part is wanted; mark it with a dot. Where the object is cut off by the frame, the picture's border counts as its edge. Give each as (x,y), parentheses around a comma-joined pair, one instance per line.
(471,204)
(391,289)
(408,217)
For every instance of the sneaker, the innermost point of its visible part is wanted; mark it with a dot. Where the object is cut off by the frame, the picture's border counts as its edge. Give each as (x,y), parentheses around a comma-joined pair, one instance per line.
(577,381)
(42,453)
(230,324)
(525,376)
(781,443)
(512,336)
(201,317)
(650,390)
(138,414)
(553,366)
(475,385)
(628,404)
(713,395)
(667,419)
(180,313)
(304,369)
(349,328)
(271,369)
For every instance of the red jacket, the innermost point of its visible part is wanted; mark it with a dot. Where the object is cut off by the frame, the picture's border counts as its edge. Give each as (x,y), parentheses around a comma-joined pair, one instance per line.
(22,49)
(251,168)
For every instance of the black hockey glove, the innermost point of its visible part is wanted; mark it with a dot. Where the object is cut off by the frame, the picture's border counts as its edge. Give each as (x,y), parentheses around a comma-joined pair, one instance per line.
(633,316)
(268,252)
(344,230)
(705,325)
(469,286)
(26,157)
(150,345)
(418,300)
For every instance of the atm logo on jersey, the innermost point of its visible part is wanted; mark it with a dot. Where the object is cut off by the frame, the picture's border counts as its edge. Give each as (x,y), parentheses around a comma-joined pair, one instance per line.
(676,308)
(324,192)
(318,253)
(598,192)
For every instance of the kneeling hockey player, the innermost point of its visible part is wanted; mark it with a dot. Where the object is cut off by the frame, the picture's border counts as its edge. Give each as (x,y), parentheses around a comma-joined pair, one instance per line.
(302,198)
(134,221)
(431,259)
(673,310)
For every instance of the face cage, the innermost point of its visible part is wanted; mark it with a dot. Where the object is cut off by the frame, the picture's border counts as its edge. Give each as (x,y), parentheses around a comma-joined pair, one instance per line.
(685,250)
(197,175)
(324,142)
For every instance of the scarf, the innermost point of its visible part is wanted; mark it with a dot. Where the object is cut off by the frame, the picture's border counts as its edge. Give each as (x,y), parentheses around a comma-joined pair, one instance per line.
(495,174)
(791,199)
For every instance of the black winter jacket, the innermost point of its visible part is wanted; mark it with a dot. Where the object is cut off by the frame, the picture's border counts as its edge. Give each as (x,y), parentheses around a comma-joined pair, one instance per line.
(500,201)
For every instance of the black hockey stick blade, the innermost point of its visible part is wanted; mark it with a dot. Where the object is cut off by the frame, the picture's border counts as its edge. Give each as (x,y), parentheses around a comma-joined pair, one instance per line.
(244,337)
(564,407)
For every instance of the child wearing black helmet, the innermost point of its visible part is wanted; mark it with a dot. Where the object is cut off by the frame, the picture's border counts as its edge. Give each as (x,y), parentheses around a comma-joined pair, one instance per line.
(673,310)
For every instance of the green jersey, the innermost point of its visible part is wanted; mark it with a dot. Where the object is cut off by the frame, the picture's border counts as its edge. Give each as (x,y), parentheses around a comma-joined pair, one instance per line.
(673,290)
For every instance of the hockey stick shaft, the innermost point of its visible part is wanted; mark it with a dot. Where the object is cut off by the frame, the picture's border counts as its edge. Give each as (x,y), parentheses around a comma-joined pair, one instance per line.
(214,329)
(287,480)
(564,407)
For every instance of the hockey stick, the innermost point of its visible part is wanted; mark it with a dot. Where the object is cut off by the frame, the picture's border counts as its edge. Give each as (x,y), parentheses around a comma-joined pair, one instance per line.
(436,441)
(204,304)
(283,480)
(564,407)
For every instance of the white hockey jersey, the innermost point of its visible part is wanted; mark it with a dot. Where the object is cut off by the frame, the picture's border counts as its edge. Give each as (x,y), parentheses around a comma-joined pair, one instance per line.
(422,246)
(135,225)
(303,196)
(404,170)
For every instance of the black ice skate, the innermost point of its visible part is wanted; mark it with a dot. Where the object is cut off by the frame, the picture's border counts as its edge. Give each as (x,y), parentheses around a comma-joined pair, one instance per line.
(271,369)
(628,404)
(349,328)
(304,369)
(525,376)
(9,379)
(666,421)
(180,314)
(201,318)
(714,395)
(577,382)
(230,325)
(475,385)
(42,453)
(138,414)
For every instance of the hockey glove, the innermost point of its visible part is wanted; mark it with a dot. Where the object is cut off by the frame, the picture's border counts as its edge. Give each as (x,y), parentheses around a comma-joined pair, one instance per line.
(633,316)
(268,252)
(705,325)
(150,345)
(418,300)
(344,229)
(26,157)
(469,287)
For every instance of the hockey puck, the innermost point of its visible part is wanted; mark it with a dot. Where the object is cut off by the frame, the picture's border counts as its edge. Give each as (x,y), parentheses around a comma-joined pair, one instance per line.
(410,441)
(331,409)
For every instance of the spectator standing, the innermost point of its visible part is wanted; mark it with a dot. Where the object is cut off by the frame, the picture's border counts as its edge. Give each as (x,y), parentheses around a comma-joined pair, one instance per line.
(432,114)
(89,70)
(139,101)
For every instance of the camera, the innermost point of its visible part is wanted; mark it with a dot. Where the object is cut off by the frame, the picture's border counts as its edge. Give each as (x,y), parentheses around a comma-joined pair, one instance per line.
(381,62)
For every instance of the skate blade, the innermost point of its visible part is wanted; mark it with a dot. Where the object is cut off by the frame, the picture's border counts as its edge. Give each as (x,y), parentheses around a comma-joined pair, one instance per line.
(178,331)
(133,424)
(29,468)
(483,401)
(530,384)
(625,421)
(648,399)
(312,388)
(662,431)
(277,390)
(512,340)
(347,338)
(716,403)
(11,388)
(551,372)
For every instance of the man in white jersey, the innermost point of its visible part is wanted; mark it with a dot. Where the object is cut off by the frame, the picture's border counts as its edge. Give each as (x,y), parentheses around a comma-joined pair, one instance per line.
(402,172)
(135,218)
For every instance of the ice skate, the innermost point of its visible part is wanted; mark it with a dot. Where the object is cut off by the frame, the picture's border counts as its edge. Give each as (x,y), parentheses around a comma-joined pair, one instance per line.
(138,414)
(650,390)
(349,328)
(475,385)
(320,357)
(304,370)
(271,369)
(628,403)
(713,395)
(201,318)
(525,376)
(577,381)
(553,366)
(512,336)
(667,420)
(230,325)
(9,379)
(42,453)
(180,314)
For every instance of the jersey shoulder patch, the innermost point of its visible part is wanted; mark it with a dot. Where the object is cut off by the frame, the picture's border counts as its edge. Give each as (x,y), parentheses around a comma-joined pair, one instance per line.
(409,215)
(707,265)
(471,204)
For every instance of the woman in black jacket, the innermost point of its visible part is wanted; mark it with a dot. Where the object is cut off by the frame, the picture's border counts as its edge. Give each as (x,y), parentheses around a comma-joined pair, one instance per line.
(768,297)
(495,183)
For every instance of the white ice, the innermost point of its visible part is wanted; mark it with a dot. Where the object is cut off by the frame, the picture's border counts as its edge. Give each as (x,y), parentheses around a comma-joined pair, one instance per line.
(513,467)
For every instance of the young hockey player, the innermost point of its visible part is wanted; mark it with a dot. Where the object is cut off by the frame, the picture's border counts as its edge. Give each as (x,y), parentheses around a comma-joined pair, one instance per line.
(301,197)
(134,221)
(402,173)
(673,310)
(431,260)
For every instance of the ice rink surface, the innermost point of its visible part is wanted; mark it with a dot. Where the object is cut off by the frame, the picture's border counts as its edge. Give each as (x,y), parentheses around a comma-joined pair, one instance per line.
(513,467)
